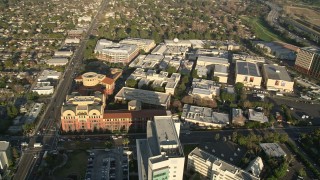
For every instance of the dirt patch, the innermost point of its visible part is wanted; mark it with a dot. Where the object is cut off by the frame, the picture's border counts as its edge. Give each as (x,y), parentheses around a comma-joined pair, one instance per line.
(309,15)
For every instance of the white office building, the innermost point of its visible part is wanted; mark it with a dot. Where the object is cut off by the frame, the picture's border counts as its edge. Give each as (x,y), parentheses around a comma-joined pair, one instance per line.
(49,74)
(160,156)
(43,88)
(213,168)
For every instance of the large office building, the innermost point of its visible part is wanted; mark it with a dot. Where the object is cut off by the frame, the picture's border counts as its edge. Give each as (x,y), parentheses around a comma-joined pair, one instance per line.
(276,78)
(308,61)
(211,167)
(5,155)
(160,156)
(157,79)
(57,61)
(144,44)
(82,112)
(204,88)
(43,88)
(204,116)
(87,113)
(248,73)
(49,75)
(151,98)
(115,52)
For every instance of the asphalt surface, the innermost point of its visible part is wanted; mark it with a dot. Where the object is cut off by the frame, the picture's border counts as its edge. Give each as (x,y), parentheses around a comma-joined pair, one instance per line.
(50,122)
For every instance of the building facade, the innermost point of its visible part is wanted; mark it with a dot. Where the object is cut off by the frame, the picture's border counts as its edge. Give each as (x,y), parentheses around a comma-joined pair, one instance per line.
(308,61)
(276,78)
(92,79)
(115,52)
(82,113)
(144,44)
(213,168)
(86,113)
(248,73)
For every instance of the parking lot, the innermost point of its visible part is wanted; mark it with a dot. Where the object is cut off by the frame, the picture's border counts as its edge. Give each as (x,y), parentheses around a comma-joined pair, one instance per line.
(107,164)
(298,109)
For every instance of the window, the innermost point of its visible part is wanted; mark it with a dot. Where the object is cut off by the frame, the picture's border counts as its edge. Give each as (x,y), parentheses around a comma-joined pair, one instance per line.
(277,83)
(251,79)
(283,83)
(246,78)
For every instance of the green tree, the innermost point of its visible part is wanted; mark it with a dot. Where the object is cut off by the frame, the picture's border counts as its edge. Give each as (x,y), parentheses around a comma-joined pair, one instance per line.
(32,96)
(171,69)
(108,144)
(12,111)
(159,89)
(227,96)
(134,32)
(302,172)
(195,74)
(238,87)
(131,83)
(144,34)
(8,63)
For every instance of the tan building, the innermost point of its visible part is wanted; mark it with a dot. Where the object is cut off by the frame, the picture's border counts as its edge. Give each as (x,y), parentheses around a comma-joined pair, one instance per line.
(144,44)
(86,113)
(308,61)
(248,73)
(115,52)
(276,78)
(82,112)
(92,80)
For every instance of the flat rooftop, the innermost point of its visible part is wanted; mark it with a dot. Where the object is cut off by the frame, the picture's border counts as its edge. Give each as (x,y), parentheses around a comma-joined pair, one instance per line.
(214,60)
(257,116)
(276,72)
(166,132)
(312,49)
(137,40)
(223,166)
(272,149)
(247,68)
(144,96)
(220,69)
(204,114)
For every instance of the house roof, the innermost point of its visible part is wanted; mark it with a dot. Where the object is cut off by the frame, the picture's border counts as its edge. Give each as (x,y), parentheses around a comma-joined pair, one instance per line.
(79,77)
(107,80)
(276,72)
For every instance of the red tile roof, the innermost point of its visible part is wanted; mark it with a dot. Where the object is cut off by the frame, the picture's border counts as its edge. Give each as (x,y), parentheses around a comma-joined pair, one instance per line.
(107,80)
(79,77)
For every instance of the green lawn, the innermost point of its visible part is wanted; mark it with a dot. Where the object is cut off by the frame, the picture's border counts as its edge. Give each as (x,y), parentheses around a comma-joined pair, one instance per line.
(77,164)
(260,29)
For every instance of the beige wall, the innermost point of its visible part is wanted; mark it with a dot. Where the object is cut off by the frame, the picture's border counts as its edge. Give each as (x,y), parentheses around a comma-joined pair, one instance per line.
(92,79)
(304,59)
(223,79)
(245,79)
(280,85)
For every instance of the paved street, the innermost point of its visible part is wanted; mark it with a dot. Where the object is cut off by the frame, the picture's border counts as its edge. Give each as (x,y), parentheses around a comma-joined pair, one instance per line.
(51,115)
